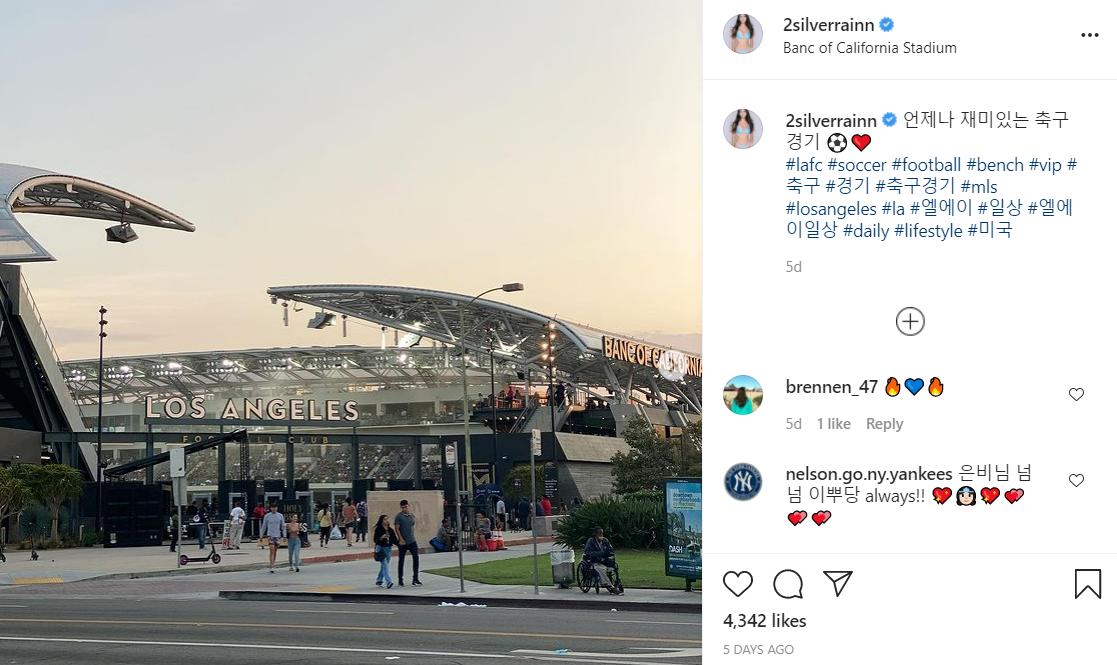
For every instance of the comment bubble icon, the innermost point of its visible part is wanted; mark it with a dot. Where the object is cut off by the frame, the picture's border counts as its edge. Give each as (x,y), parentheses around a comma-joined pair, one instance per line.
(788,584)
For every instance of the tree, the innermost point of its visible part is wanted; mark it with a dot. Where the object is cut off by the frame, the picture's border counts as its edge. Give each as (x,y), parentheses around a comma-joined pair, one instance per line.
(651,457)
(15,493)
(690,450)
(53,485)
(521,473)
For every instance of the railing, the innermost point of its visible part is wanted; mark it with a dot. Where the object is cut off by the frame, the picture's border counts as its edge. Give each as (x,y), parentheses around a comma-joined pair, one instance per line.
(26,298)
(521,420)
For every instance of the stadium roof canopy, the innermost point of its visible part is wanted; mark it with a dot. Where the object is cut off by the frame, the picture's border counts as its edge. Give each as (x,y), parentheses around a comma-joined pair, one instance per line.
(255,371)
(26,189)
(512,333)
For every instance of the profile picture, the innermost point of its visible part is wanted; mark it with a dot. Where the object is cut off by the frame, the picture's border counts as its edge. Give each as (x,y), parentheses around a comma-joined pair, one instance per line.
(742,33)
(742,395)
(743,129)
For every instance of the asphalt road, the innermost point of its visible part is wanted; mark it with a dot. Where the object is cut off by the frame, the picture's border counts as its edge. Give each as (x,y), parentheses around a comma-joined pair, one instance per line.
(37,629)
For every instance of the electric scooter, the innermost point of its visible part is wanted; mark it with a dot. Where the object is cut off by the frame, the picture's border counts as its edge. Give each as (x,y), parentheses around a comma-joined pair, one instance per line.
(211,556)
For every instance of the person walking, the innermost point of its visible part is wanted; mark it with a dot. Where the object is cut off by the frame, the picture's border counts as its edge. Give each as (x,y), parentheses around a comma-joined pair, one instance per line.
(524,512)
(258,515)
(349,519)
(325,523)
(273,528)
(501,510)
(362,520)
(405,531)
(201,525)
(294,542)
(175,529)
(237,518)
(383,538)
(546,505)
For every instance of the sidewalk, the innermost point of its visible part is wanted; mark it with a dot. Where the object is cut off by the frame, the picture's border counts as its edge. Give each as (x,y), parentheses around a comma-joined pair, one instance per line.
(437,590)
(71,565)
(355,582)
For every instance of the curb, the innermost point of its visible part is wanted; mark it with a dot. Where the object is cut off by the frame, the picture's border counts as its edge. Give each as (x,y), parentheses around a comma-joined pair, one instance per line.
(341,557)
(490,601)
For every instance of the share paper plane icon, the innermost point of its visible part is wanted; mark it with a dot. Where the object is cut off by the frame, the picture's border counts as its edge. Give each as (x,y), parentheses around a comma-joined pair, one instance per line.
(839,578)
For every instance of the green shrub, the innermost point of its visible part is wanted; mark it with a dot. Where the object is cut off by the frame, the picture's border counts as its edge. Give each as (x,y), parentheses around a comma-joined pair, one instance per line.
(644,495)
(92,539)
(757,400)
(629,522)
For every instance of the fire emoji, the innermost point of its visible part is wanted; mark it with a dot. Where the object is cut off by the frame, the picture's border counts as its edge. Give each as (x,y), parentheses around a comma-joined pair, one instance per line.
(936,387)
(893,387)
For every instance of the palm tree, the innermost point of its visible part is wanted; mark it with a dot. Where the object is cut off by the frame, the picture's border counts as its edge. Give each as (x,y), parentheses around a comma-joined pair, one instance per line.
(54,484)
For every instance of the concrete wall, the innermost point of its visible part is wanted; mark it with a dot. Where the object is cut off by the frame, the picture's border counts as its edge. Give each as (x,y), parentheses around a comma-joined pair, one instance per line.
(425,504)
(19,446)
(584,480)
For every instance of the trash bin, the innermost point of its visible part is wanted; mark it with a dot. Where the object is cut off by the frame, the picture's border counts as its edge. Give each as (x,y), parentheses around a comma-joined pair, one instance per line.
(562,568)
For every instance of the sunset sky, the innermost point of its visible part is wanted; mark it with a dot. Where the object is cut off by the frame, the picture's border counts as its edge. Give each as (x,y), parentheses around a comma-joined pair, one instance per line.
(444,145)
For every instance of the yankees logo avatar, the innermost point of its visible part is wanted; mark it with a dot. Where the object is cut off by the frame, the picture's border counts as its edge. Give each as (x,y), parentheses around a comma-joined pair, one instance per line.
(742,481)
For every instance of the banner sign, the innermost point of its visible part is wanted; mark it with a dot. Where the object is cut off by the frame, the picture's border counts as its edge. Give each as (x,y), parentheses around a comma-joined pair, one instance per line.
(667,361)
(683,541)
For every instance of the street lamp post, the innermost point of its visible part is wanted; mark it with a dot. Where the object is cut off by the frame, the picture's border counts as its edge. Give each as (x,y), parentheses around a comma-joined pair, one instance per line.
(507,288)
(492,391)
(100,406)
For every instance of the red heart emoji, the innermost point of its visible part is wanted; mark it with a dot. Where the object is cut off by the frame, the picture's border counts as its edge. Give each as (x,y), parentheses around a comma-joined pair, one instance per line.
(990,495)
(821,516)
(941,494)
(1014,495)
(797,517)
(861,141)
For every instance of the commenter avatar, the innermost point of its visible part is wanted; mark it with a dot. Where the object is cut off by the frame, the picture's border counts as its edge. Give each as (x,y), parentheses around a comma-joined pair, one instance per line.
(743,129)
(743,395)
(742,33)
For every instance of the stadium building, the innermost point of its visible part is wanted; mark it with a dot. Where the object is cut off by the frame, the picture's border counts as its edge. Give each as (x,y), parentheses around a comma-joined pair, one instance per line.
(324,422)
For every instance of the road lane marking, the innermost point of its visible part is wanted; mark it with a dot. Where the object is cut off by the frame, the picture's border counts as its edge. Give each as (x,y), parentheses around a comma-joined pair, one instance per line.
(36,580)
(613,659)
(16,606)
(370,629)
(337,612)
(666,623)
(581,655)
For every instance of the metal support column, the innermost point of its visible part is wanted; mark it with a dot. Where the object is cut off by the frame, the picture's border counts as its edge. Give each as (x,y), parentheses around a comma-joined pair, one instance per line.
(289,490)
(355,466)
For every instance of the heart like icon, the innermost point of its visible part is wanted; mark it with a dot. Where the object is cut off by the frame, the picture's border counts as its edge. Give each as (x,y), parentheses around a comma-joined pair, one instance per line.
(1012,496)
(913,385)
(1076,479)
(821,516)
(737,582)
(796,517)
(1076,393)
(861,141)
(989,495)
(941,494)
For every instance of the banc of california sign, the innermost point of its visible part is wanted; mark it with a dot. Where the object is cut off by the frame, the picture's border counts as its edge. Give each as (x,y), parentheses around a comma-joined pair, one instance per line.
(672,364)
(255,409)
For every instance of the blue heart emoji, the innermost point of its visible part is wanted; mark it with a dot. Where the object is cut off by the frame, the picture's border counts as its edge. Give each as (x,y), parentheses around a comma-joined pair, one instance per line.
(914,385)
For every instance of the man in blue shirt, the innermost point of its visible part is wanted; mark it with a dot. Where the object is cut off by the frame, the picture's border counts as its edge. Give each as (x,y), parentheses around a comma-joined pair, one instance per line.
(273,528)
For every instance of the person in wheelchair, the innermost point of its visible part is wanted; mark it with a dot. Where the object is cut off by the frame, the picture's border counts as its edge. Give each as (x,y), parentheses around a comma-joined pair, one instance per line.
(600,554)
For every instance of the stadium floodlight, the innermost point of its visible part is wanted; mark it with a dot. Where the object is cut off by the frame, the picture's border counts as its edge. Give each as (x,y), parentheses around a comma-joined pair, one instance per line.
(512,287)
(121,233)
(320,320)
